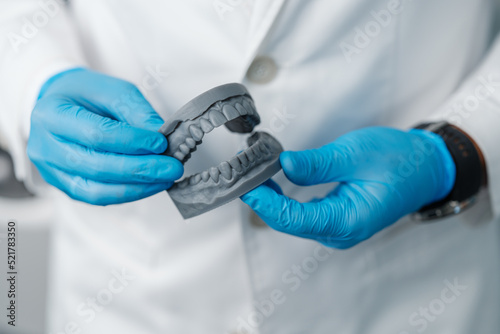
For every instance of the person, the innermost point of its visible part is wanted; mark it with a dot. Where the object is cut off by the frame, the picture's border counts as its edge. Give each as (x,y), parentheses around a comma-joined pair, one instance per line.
(388,111)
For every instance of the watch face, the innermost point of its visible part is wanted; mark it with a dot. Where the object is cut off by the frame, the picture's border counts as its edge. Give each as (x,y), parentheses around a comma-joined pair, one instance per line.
(446,209)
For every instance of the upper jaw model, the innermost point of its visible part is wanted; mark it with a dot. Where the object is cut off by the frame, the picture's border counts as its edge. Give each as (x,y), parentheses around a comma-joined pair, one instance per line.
(232,106)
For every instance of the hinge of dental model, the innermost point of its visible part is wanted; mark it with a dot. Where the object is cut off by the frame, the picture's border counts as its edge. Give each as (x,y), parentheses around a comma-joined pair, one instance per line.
(230,105)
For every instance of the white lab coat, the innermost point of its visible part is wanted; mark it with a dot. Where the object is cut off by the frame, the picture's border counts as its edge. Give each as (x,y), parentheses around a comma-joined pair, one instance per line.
(339,68)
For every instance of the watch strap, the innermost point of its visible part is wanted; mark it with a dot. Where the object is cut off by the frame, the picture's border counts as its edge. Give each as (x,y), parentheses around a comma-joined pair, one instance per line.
(469,172)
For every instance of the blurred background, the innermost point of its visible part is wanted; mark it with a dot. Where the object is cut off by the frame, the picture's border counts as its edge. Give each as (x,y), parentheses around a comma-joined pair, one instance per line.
(33,220)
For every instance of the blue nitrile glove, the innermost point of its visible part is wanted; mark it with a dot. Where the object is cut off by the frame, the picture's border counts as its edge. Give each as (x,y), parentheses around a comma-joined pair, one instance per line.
(383,174)
(95,138)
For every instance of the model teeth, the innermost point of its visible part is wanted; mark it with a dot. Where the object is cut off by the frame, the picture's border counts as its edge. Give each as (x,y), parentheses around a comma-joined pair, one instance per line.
(225,170)
(179,156)
(252,104)
(196,132)
(250,155)
(195,179)
(216,118)
(230,112)
(232,107)
(256,151)
(190,143)
(235,164)
(220,114)
(214,174)
(263,148)
(184,149)
(206,126)
(240,109)
(247,105)
(205,176)
(243,159)
(183,184)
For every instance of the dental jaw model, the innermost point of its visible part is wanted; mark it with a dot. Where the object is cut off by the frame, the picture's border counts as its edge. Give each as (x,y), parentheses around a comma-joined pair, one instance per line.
(230,105)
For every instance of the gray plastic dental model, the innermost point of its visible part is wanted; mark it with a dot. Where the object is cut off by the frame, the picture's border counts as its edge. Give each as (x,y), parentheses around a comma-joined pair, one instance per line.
(232,106)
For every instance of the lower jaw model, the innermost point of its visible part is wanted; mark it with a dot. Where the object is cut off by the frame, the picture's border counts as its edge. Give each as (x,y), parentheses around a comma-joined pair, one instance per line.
(230,105)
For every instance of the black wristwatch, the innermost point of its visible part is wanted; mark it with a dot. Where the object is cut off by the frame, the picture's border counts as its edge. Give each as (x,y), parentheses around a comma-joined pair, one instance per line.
(470,177)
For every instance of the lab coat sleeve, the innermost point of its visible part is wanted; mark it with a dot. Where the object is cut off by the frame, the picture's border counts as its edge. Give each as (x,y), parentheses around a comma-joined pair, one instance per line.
(475,108)
(38,40)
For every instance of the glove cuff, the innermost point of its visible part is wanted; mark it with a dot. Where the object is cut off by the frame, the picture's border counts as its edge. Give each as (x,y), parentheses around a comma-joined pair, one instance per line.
(54,78)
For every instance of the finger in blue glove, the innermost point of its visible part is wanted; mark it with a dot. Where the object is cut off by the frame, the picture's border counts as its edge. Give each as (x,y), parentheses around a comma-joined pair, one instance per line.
(383,174)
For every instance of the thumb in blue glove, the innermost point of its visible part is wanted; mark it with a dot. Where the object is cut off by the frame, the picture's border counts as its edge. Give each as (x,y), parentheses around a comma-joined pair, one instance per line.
(383,174)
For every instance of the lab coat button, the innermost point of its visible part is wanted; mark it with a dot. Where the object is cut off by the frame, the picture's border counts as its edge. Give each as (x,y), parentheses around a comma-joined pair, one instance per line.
(256,221)
(263,70)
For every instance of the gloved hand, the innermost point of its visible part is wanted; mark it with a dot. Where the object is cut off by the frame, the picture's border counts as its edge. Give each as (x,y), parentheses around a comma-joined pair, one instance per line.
(383,174)
(95,138)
